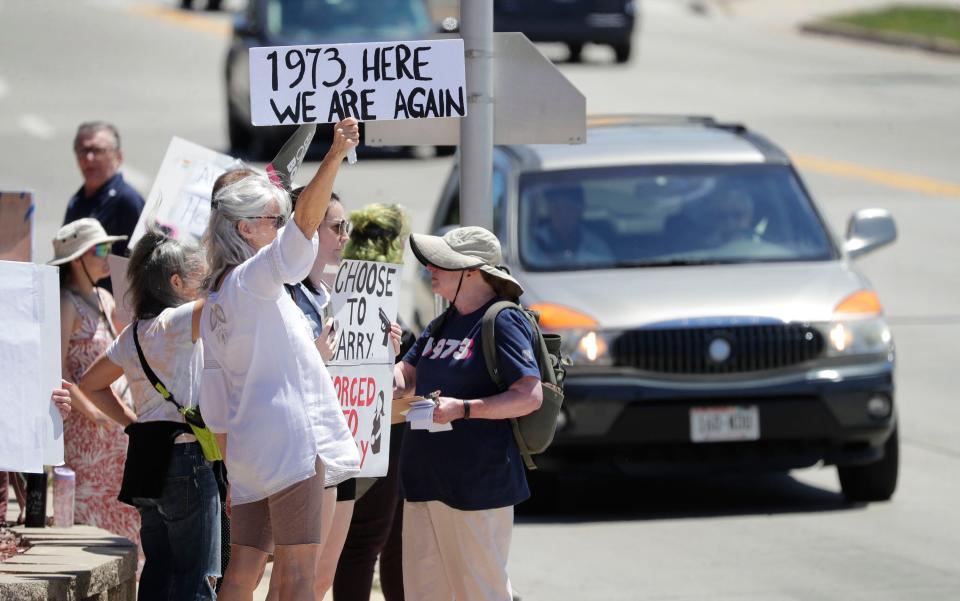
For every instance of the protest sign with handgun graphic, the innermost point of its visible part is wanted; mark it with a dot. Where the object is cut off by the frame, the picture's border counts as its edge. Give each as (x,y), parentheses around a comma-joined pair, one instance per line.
(365,304)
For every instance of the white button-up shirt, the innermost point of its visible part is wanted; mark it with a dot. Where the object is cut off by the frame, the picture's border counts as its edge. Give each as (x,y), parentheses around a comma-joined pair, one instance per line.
(264,383)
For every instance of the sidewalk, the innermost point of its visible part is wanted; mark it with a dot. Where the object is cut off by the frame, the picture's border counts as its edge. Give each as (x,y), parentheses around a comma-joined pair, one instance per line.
(259,595)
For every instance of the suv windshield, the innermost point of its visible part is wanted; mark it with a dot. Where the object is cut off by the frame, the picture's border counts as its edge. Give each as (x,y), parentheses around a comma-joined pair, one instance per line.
(315,21)
(667,215)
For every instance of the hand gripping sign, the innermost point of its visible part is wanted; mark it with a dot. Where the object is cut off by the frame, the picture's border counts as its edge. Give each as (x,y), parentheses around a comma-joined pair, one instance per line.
(365,304)
(373,81)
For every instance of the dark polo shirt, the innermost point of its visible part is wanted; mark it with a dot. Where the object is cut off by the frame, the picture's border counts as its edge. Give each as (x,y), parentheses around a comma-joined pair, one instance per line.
(115,205)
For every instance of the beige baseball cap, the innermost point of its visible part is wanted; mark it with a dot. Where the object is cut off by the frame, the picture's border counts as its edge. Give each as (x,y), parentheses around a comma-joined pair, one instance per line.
(76,238)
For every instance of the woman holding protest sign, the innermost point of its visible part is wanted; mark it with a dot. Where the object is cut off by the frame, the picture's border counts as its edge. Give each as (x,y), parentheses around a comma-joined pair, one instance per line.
(94,446)
(168,476)
(264,384)
(312,296)
(460,485)
(379,234)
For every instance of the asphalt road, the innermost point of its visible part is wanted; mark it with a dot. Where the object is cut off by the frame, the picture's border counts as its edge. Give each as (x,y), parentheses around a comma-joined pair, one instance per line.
(869,126)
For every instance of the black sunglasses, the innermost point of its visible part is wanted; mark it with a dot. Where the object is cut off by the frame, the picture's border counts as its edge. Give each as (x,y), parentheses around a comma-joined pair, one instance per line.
(278,220)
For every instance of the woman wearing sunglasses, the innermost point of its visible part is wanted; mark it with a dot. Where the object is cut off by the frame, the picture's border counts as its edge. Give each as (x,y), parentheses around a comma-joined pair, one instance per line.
(94,446)
(312,296)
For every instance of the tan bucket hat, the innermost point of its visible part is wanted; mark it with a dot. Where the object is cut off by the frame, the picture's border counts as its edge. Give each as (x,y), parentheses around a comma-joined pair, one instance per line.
(468,247)
(76,238)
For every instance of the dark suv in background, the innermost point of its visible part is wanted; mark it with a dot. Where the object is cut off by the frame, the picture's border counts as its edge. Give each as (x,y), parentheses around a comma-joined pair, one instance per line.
(573,22)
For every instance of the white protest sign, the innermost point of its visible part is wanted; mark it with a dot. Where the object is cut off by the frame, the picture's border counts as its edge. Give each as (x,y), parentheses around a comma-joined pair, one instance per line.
(29,366)
(365,304)
(179,201)
(51,366)
(371,81)
(118,281)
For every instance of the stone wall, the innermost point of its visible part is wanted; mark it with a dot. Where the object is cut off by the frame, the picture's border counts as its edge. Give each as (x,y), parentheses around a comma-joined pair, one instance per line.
(71,564)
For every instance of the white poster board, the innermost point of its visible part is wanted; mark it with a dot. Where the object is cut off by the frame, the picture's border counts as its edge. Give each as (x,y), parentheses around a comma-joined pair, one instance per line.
(372,81)
(118,281)
(179,201)
(365,303)
(29,367)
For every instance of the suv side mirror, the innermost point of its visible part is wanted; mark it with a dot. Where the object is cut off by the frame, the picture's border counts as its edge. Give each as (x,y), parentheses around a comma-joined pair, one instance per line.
(868,230)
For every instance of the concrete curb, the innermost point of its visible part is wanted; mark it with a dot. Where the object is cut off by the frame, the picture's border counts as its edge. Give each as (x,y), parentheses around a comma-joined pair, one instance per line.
(891,38)
(81,562)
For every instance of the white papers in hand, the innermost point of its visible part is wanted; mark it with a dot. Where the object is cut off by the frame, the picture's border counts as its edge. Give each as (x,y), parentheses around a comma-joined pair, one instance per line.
(420,417)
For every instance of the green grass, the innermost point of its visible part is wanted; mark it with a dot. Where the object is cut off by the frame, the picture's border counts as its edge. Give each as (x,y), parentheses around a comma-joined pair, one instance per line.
(931,21)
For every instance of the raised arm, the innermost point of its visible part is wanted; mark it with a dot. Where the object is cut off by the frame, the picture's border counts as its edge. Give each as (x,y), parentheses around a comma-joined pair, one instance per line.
(313,201)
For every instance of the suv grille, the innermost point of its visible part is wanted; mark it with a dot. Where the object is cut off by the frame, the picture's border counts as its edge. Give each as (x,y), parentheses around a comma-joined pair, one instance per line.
(719,350)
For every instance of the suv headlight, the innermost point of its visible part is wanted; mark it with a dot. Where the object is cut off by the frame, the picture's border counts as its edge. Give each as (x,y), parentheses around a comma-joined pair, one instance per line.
(590,348)
(858,327)
(583,341)
(858,337)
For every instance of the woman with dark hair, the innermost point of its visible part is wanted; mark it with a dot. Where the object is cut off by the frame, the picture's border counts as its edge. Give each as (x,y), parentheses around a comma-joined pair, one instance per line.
(265,388)
(166,475)
(312,296)
(94,447)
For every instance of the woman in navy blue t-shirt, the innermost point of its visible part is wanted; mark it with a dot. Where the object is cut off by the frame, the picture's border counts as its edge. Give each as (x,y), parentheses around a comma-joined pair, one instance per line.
(460,485)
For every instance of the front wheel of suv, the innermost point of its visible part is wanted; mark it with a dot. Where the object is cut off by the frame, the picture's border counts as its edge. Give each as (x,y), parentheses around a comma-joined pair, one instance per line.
(622,52)
(874,481)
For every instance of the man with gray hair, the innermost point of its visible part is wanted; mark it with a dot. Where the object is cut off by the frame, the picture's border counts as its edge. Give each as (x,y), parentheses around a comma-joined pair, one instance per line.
(104,195)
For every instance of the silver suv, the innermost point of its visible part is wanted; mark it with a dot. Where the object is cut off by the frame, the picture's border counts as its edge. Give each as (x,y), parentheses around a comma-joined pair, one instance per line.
(712,318)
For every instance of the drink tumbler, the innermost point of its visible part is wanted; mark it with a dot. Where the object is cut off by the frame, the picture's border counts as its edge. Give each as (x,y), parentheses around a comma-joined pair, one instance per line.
(64,491)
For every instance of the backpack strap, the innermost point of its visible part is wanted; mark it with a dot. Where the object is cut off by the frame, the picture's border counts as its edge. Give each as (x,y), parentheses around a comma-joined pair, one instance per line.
(488,339)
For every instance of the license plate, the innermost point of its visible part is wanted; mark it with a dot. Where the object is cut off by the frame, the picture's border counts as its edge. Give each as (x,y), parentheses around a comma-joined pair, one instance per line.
(721,424)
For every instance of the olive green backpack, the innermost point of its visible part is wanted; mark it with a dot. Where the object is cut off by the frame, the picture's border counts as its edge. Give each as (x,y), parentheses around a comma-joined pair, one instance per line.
(533,432)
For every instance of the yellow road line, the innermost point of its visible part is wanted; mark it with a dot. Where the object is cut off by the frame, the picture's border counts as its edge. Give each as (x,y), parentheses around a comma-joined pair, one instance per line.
(182,18)
(892,179)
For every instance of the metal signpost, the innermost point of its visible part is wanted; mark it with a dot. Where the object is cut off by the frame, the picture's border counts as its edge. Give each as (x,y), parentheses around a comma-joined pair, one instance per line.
(476,129)
(515,96)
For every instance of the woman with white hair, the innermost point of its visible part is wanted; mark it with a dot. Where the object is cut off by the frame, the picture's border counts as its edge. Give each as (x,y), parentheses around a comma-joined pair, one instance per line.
(264,385)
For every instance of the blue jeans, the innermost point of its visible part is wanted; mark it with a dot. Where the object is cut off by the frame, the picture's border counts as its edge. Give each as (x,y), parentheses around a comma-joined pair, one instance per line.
(180,531)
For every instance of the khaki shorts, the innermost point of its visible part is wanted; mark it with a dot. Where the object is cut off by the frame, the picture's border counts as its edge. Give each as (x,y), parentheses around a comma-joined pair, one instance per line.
(289,517)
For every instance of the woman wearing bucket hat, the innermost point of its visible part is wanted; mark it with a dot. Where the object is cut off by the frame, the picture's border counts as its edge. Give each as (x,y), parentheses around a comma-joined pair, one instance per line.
(264,386)
(94,446)
(460,485)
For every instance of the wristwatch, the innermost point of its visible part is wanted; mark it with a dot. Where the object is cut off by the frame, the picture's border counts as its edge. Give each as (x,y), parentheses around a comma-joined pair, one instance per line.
(466,409)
